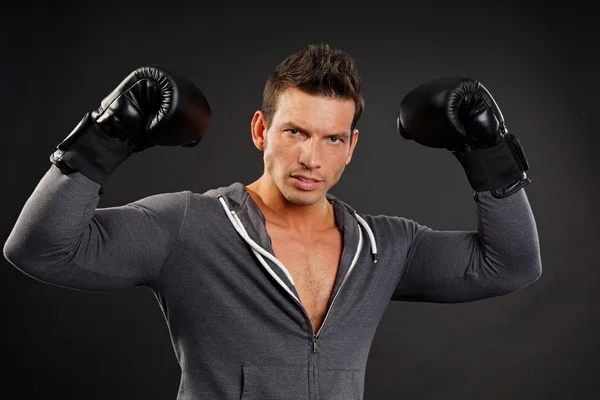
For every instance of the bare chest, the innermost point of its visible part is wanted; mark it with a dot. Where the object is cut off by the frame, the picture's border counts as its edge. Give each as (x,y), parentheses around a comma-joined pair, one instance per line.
(313,264)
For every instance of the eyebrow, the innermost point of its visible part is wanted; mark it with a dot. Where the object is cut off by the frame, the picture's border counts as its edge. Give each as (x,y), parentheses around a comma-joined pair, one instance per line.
(344,134)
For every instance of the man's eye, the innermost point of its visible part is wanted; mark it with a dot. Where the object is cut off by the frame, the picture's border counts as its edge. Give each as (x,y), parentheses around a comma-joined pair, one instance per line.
(293,131)
(334,139)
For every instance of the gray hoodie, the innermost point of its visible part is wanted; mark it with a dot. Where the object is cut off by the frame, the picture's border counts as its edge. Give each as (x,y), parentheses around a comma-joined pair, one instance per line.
(237,326)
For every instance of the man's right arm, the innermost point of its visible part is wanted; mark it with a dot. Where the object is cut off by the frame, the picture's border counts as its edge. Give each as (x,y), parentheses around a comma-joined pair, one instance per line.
(62,238)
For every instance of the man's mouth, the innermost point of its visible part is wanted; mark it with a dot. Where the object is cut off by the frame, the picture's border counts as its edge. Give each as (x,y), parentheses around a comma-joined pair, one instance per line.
(306,183)
(306,178)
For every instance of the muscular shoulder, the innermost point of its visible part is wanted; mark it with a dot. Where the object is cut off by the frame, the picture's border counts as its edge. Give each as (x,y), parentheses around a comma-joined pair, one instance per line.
(164,204)
(387,228)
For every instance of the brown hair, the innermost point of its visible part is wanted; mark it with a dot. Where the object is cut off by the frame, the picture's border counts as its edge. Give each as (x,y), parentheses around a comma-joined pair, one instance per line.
(316,69)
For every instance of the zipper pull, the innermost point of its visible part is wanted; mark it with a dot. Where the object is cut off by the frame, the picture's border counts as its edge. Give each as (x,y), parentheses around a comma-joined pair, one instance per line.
(315,344)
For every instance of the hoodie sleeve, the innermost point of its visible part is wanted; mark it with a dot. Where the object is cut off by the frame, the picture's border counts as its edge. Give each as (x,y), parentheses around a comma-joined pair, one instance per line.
(502,256)
(61,238)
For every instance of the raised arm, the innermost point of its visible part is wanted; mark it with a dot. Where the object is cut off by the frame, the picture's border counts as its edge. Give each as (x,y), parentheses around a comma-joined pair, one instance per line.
(62,238)
(503,255)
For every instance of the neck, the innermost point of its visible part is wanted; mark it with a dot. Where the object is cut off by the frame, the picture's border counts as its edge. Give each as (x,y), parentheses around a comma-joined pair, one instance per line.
(277,210)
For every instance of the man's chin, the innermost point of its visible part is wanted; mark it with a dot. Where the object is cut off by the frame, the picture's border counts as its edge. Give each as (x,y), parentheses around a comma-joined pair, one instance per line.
(303,197)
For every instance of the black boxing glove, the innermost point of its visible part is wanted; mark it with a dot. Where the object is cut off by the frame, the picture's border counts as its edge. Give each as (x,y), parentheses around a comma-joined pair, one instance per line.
(152,106)
(459,114)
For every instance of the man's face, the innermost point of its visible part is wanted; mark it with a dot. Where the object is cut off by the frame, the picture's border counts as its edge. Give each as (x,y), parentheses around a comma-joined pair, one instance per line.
(310,136)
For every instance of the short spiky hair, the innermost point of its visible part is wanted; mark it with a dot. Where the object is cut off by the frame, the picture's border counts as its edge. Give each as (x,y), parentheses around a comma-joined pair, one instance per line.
(316,69)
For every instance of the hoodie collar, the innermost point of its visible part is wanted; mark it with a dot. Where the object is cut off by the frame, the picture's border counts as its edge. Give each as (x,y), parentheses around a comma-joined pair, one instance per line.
(235,199)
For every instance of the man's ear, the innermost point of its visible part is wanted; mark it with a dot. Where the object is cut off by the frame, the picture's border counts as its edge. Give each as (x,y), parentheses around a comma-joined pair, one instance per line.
(258,127)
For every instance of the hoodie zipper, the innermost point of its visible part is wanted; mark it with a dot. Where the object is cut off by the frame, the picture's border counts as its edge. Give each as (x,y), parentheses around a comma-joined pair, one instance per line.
(316,337)
(314,388)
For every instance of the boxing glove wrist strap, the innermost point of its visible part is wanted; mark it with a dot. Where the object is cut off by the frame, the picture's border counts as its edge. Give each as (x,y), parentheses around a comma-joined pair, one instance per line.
(500,168)
(90,151)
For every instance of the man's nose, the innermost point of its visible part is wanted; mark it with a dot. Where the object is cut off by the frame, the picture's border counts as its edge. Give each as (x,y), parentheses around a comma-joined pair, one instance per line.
(310,154)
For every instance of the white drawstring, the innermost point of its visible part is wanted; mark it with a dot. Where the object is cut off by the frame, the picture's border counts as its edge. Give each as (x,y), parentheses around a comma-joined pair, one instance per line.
(258,251)
(371,236)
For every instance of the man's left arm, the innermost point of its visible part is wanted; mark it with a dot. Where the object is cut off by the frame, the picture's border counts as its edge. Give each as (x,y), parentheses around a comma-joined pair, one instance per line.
(503,255)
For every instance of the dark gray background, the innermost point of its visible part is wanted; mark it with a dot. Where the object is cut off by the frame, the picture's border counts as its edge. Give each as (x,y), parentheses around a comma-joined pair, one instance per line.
(541,64)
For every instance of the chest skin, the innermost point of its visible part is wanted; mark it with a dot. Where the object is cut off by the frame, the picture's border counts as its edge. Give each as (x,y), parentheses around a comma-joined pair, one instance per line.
(313,263)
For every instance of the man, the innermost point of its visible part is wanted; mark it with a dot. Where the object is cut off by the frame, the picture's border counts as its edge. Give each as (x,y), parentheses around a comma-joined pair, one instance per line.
(274,290)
